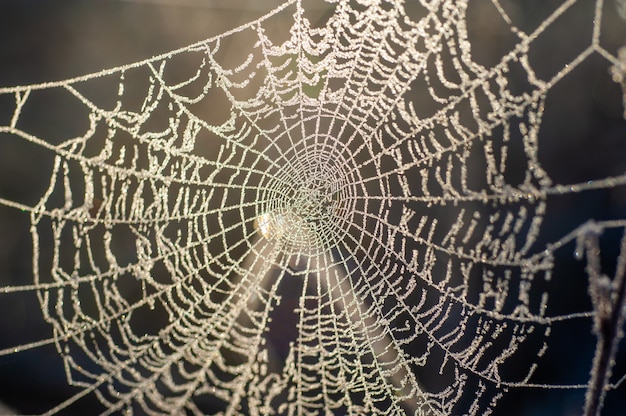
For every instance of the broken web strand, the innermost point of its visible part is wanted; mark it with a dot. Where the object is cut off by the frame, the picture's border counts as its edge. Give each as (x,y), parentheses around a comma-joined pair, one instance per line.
(365,212)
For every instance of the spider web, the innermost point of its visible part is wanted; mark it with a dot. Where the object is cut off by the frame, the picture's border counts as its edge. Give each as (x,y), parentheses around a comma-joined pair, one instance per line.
(344,218)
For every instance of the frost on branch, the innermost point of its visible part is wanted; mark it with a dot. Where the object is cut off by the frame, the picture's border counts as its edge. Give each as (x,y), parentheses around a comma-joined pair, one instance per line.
(608,296)
(619,73)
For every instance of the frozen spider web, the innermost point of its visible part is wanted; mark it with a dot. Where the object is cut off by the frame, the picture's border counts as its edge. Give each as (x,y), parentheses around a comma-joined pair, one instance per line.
(344,218)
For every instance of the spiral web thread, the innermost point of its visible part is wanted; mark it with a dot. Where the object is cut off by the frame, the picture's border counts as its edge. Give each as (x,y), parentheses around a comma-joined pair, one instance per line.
(364,169)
